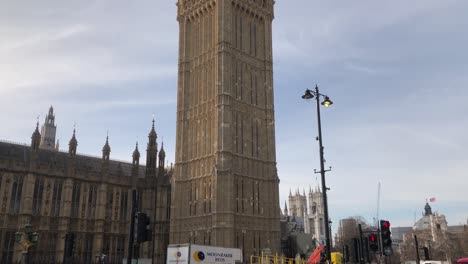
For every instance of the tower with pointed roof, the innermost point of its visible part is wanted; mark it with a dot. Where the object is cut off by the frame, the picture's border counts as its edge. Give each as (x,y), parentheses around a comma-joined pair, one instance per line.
(135,165)
(36,139)
(162,158)
(106,150)
(308,208)
(298,204)
(151,152)
(315,222)
(48,131)
(72,145)
(225,179)
(136,156)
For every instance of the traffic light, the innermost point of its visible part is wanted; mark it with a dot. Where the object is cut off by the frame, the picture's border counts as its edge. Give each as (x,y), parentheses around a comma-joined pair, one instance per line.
(373,243)
(143,229)
(386,237)
(346,253)
(69,244)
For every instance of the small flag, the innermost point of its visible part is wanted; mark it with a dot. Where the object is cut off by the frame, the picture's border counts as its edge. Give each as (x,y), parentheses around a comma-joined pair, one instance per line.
(433,199)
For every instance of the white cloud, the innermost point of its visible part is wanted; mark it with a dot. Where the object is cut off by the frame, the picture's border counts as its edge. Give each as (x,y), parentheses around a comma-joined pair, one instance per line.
(395,70)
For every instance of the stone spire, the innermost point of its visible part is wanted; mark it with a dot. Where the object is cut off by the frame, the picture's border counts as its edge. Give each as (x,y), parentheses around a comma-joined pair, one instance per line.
(135,165)
(285,208)
(136,155)
(48,131)
(72,145)
(36,138)
(106,150)
(151,152)
(162,157)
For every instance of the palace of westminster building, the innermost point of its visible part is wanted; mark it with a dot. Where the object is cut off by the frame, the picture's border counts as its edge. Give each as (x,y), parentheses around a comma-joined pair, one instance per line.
(223,189)
(59,192)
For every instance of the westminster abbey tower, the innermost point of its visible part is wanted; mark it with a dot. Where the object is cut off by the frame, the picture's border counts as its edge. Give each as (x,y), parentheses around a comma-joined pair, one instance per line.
(225,185)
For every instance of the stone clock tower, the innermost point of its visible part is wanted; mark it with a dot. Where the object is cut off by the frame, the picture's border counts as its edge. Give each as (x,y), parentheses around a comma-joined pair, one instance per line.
(225,184)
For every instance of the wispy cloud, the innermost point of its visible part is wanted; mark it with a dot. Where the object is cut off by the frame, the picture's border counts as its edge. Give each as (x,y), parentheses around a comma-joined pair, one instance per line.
(396,72)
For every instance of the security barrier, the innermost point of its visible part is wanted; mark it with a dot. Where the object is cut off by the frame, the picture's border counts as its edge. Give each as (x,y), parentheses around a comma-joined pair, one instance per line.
(275,259)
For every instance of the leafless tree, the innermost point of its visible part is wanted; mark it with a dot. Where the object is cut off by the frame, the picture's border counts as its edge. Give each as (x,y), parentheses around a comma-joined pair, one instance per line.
(441,245)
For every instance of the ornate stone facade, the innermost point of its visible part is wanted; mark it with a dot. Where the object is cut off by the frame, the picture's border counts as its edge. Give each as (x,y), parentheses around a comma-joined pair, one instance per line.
(309,211)
(48,132)
(225,188)
(434,223)
(59,192)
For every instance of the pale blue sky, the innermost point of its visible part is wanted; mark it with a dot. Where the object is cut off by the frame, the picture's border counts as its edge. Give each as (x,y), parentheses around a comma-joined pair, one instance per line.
(396,70)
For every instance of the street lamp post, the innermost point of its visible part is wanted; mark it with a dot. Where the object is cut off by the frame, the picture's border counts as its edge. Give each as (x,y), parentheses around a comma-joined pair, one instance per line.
(26,239)
(326,102)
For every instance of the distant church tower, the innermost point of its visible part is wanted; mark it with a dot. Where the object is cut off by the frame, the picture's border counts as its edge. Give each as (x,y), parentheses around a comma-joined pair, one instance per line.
(315,223)
(225,190)
(309,209)
(48,131)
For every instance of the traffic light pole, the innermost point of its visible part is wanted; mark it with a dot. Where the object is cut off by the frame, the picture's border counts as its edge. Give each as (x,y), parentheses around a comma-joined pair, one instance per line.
(361,245)
(132,227)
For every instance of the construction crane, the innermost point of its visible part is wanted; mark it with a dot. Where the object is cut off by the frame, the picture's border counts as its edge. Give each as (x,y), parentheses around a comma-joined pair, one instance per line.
(376,220)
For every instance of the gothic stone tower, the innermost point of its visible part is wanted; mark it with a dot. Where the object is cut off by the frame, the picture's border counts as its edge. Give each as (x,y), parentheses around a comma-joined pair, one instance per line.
(225,182)
(48,131)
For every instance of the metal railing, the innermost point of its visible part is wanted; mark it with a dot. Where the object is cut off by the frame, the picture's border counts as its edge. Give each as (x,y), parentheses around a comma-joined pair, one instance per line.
(275,259)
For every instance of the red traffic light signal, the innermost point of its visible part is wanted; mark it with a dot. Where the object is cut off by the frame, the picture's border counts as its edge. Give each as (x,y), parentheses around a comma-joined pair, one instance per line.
(385,224)
(386,237)
(373,243)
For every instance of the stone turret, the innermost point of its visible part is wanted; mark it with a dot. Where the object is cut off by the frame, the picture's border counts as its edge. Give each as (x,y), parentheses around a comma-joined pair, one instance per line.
(151,152)
(106,150)
(162,157)
(72,145)
(136,156)
(135,165)
(48,131)
(36,139)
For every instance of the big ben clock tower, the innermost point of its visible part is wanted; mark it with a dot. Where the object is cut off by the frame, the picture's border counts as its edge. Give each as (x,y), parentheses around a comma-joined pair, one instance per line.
(225,184)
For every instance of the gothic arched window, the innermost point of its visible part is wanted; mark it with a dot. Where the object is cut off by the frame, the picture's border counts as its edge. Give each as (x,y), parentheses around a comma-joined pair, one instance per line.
(56,198)
(92,196)
(123,205)
(16,191)
(37,196)
(75,200)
